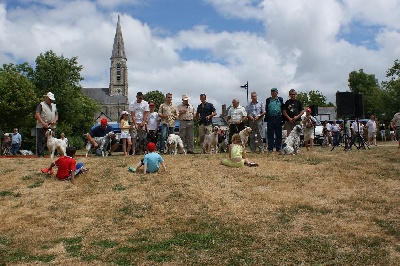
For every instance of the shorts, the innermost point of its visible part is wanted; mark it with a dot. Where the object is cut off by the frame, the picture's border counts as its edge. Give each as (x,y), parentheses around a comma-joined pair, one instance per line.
(309,136)
(289,126)
(125,135)
(372,134)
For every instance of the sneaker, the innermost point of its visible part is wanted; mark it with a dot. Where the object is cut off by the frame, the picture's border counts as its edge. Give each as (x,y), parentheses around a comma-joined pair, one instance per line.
(252,164)
(131,169)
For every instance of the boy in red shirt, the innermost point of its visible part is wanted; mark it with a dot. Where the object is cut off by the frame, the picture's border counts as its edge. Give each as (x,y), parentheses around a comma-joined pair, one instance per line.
(67,167)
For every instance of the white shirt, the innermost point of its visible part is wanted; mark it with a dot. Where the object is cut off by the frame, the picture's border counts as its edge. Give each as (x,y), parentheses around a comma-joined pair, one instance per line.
(139,109)
(152,120)
(371,126)
(236,114)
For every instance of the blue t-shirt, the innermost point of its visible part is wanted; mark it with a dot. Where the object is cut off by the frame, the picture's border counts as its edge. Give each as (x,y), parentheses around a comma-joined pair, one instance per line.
(98,132)
(274,107)
(152,161)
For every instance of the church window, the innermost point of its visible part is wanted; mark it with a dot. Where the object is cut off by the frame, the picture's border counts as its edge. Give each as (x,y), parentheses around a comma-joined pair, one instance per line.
(118,71)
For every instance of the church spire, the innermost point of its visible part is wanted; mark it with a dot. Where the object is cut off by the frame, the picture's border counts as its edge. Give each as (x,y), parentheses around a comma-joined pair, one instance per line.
(118,69)
(118,47)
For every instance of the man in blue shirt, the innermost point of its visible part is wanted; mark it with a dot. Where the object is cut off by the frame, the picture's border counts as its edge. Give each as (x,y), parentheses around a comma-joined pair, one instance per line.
(100,131)
(205,112)
(16,142)
(274,111)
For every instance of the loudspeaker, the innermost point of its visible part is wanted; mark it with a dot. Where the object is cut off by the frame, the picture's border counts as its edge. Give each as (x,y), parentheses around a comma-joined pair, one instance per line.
(345,104)
(359,105)
(314,110)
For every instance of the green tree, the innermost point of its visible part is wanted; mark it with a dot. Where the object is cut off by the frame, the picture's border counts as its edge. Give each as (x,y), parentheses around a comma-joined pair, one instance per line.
(313,98)
(391,92)
(62,76)
(156,97)
(18,99)
(367,84)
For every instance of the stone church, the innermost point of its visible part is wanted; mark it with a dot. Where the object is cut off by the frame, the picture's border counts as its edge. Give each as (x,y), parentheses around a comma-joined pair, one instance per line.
(114,99)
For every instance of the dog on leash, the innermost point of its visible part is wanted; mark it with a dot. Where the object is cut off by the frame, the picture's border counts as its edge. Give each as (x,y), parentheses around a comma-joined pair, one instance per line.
(211,141)
(103,143)
(54,144)
(244,135)
(175,144)
(291,145)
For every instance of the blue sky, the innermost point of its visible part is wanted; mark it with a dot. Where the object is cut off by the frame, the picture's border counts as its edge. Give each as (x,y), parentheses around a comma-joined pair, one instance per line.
(210,46)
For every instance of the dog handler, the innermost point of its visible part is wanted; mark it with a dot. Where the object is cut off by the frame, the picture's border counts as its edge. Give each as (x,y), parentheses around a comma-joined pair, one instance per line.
(46,117)
(99,132)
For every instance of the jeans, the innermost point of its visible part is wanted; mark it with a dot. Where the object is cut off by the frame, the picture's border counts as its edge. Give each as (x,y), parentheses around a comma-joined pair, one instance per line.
(274,130)
(14,148)
(336,138)
(165,131)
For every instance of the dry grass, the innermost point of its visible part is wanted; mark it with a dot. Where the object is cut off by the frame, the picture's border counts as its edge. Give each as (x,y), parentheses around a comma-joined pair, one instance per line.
(319,208)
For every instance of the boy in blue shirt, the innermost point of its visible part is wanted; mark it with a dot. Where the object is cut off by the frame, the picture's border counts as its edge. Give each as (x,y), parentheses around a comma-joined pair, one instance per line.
(151,161)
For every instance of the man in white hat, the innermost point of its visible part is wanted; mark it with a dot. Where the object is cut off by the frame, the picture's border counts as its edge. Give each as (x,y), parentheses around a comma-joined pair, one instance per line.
(46,117)
(186,123)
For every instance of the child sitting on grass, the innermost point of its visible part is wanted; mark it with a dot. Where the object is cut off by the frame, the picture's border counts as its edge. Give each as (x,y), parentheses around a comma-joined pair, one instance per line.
(151,161)
(237,154)
(67,167)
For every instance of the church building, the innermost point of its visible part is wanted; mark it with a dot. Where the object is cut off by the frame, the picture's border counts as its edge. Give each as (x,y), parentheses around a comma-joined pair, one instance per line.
(114,99)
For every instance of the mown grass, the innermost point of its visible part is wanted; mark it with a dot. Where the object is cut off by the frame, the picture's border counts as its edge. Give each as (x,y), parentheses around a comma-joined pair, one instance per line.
(318,208)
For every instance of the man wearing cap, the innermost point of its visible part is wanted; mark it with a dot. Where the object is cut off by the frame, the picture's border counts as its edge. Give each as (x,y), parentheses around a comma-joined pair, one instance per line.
(101,131)
(186,123)
(204,114)
(167,113)
(139,111)
(255,114)
(274,110)
(46,117)
(308,122)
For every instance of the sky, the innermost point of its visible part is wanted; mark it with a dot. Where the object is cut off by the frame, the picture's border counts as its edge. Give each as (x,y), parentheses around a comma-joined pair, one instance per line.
(210,46)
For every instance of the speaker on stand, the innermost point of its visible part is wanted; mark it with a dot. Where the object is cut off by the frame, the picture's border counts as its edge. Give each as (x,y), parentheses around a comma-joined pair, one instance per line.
(345,104)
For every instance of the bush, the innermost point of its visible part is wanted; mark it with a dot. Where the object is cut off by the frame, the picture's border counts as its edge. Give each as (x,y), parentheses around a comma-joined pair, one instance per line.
(76,141)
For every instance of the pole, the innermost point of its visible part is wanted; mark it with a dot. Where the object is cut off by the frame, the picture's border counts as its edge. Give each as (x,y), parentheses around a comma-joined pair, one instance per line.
(246,87)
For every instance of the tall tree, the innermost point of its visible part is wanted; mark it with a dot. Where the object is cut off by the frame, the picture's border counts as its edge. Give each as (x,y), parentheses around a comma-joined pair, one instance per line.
(156,97)
(313,98)
(367,84)
(18,98)
(391,94)
(62,76)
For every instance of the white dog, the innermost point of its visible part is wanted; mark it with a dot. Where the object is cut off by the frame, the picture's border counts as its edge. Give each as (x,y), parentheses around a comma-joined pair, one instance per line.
(103,143)
(175,144)
(211,141)
(244,135)
(54,144)
(291,145)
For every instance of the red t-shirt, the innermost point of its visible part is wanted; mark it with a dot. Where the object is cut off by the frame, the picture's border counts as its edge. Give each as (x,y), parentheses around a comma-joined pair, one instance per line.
(65,165)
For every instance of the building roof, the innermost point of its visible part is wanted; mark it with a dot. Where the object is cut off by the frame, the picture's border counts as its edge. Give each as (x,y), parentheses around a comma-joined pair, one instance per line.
(101,96)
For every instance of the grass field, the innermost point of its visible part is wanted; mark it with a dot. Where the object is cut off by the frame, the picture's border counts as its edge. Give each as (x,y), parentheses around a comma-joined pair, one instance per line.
(318,208)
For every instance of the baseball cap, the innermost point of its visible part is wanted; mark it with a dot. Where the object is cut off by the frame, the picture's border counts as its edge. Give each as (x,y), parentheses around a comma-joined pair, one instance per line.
(185,97)
(152,104)
(274,89)
(151,146)
(308,110)
(50,95)
(124,113)
(103,122)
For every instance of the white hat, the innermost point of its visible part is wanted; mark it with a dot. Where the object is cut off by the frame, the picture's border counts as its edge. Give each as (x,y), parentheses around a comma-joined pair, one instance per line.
(124,113)
(185,97)
(50,95)
(6,135)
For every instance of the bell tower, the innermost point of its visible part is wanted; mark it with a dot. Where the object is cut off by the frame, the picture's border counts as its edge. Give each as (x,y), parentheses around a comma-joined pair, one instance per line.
(118,69)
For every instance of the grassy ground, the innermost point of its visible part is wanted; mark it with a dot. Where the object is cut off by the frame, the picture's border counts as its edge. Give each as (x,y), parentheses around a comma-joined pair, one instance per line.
(318,208)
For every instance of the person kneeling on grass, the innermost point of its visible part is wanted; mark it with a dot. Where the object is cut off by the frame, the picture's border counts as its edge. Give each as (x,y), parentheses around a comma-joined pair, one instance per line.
(151,161)
(237,154)
(67,167)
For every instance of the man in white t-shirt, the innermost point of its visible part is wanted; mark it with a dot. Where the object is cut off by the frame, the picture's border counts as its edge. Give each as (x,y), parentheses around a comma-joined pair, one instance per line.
(152,124)
(371,125)
(139,111)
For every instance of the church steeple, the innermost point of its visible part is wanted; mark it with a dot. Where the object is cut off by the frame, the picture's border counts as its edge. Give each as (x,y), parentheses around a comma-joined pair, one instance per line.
(118,69)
